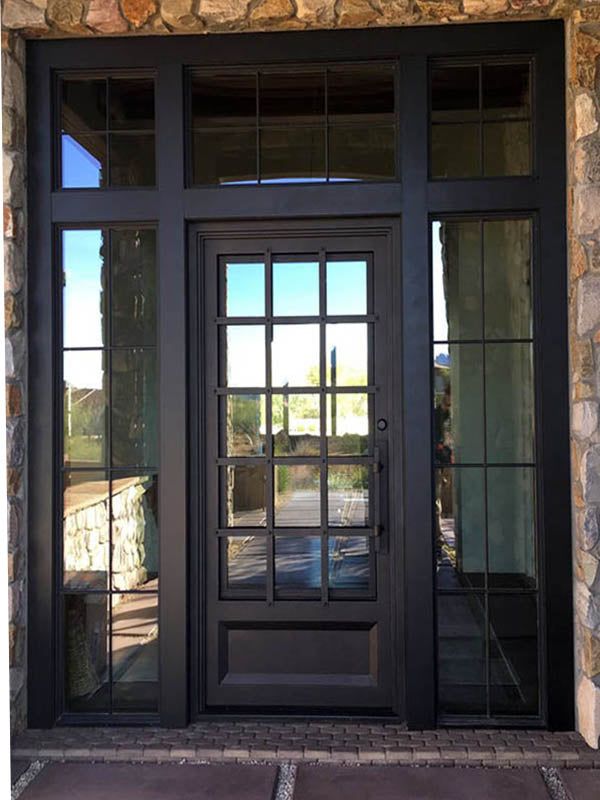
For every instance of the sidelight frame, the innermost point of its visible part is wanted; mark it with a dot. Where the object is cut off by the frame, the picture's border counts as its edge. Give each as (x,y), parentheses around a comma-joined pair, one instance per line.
(411,200)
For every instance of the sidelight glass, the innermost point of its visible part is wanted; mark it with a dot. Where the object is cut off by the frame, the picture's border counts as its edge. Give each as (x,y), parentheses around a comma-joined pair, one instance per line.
(348,495)
(84,284)
(509,402)
(134,652)
(346,287)
(133,300)
(134,526)
(298,562)
(295,288)
(243,418)
(132,159)
(507,278)
(246,558)
(84,408)
(86,650)
(134,431)
(297,490)
(131,106)
(244,289)
(349,562)
(243,496)
(86,530)
(296,421)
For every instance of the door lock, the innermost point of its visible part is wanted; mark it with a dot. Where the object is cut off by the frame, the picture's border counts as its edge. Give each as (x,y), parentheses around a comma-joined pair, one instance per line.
(382,424)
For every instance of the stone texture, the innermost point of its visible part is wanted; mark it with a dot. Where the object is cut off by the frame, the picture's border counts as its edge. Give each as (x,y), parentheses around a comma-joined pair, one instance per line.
(138,11)
(585,419)
(222,12)
(105,16)
(484,7)
(23,15)
(355,13)
(178,14)
(586,121)
(315,12)
(588,304)
(65,14)
(588,710)
(272,11)
(590,653)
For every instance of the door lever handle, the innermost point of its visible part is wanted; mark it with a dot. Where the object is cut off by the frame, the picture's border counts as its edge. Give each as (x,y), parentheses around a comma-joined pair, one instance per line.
(378,501)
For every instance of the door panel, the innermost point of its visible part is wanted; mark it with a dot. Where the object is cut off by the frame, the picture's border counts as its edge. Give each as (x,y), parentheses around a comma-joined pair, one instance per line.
(300,600)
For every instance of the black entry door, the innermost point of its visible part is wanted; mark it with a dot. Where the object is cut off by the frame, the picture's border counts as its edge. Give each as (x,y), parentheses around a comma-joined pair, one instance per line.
(299,537)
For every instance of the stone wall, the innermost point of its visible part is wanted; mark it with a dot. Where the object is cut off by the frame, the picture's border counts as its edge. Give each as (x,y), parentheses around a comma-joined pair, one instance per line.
(59,18)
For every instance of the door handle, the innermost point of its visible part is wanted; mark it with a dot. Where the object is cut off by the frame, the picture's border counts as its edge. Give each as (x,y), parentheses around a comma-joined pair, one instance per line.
(379,496)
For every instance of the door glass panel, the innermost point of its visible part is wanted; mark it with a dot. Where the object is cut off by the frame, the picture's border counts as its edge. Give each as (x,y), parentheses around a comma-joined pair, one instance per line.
(134,644)
(509,402)
(134,505)
(85,530)
(295,355)
(245,289)
(298,562)
(244,420)
(86,652)
(295,288)
(347,361)
(244,496)
(296,425)
(84,409)
(348,496)
(349,562)
(347,424)
(246,562)
(511,527)
(84,288)
(297,496)
(346,287)
(245,355)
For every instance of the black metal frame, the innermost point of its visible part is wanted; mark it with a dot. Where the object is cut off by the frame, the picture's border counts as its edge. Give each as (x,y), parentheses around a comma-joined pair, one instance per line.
(414,199)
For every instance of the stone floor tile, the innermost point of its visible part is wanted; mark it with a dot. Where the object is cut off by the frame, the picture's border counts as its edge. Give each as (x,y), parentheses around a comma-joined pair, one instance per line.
(582,784)
(17,768)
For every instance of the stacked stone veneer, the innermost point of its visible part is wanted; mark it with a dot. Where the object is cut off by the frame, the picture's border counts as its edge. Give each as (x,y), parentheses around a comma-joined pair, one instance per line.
(58,18)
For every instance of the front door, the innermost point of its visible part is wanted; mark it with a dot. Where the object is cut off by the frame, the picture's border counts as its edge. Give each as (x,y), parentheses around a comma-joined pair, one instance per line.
(301,544)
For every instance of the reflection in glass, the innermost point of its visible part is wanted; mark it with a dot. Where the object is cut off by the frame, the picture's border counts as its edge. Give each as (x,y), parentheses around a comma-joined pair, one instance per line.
(509,402)
(86,659)
(132,161)
(362,154)
(244,496)
(346,287)
(349,562)
(134,533)
(297,562)
(513,654)
(347,354)
(461,643)
(362,93)
(455,150)
(295,288)
(246,562)
(245,424)
(290,97)
(245,289)
(456,265)
(506,148)
(292,154)
(507,279)
(511,527)
(347,424)
(134,408)
(295,355)
(85,530)
(83,105)
(506,91)
(296,424)
(84,288)
(135,652)
(224,156)
(84,408)
(227,100)
(245,355)
(454,93)
(348,495)
(458,403)
(83,161)
(133,301)
(460,527)
(131,104)
(297,496)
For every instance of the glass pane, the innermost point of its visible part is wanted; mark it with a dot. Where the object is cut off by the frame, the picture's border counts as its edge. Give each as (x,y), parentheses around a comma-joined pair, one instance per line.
(294,155)
(507,275)
(346,287)
(86,653)
(83,105)
(135,533)
(460,527)
(456,264)
(245,289)
(297,562)
(224,156)
(223,100)
(85,530)
(347,355)
(245,424)
(458,403)
(245,355)
(513,654)
(455,93)
(506,148)
(461,654)
(509,402)
(511,527)
(455,150)
(362,154)
(297,496)
(296,424)
(292,98)
(134,408)
(295,288)
(84,288)
(244,496)
(132,161)
(83,161)
(348,496)
(295,355)
(131,104)
(246,562)
(133,301)
(84,408)
(363,94)
(505,91)
(347,424)
(349,566)
(135,652)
